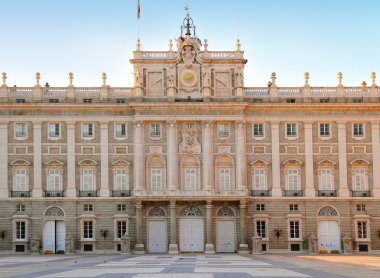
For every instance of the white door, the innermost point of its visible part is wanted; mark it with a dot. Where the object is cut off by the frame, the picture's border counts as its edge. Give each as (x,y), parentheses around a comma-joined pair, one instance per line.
(60,235)
(191,237)
(49,236)
(226,236)
(328,235)
(157,239)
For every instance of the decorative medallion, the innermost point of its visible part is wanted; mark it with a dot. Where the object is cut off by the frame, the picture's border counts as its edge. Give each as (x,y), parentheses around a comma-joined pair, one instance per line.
(190,142)
(188,54)
(188,78)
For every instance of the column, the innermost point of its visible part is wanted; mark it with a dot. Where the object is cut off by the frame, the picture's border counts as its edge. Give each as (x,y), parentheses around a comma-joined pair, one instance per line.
(243,247)
(172,171)
(241,156)
(139,247)
(208,165)
(104,179)
(37,181)
(309,162)
(276,188)
(209,245)
(376,159)
(343,187)
(173,246)
(4,192)
(138,156)
(71,187)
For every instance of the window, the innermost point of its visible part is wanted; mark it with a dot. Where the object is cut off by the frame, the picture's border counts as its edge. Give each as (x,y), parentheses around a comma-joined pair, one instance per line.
(360,207)
(88,181)
(294,229)
(324,100)
(257,100)
(87,100)
(293,179)
(361,229)
(190,179)
(87,207)
(260,207)
(53,100)
(88,130)
(326,180)
(20,130)
(258,130)
(189,125)
(121,179)
(291,130)
(290,100)
(358,130)
(20,208)
(121,228)
(223,130)
(54,180)
(54,130)
(155,131)
(225,179)
(120,100)
(88,229)
(293,207)
(20,100)
(120,130)
(156,179)
(20,230)
(21,180)
(261,228)
(359,180)
(324,130)
(259,179)
(121,207)
(357,100)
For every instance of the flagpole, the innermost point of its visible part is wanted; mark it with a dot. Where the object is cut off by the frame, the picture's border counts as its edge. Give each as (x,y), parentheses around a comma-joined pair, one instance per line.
(138,20)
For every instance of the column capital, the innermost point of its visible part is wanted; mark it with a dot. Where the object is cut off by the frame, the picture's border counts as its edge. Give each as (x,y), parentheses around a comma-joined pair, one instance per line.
(70,124)
(138,205)
(37,124)
(274,124)
(341,123)
(208,203)
(172,203)
(171,123)
(243,204)
(308,124)
(240,123)
(103,124)
(137,123)
(207,123)
(375,124)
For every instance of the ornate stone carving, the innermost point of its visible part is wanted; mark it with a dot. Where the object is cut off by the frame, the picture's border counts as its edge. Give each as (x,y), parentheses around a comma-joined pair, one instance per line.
(188,55)
(259,164)
(190,142)
(191,211)
(239,78)
(54,204)
(121,163)
(327,211)
(125,244)
(225,211)
(35,244)
(156,212)
(70,244)
(54,211)
(20,162)
(313,243)
(170,77)
(206,78)
(87,162)
(137,123)
(139,79)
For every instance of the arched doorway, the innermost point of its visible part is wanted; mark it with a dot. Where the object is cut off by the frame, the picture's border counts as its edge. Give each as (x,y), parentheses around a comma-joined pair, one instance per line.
(54,230)
(157,231)
(328,229)
(225,231)
(191,230)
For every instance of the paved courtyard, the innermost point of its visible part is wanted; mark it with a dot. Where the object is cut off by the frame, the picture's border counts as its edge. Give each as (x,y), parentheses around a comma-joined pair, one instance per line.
(189,266)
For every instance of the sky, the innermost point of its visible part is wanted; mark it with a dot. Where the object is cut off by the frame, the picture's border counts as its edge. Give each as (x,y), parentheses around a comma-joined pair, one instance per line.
(289,37)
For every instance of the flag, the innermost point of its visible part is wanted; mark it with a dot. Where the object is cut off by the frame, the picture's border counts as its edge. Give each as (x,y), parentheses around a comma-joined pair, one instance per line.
(138,9)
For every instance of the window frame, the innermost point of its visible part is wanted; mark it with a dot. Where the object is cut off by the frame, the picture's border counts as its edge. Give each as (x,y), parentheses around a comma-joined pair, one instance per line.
(225,178)
(258,137)
(26,131)
(266,223)
(16,233)
(358,137)
(224,134)
(59,136)
(324,136)
(367,231)
(295,130)
(88,137)
(290,238)
(123,137)
(157,174)
(153,135)
(288,175)
(48,179)
(82,178)
(194,179)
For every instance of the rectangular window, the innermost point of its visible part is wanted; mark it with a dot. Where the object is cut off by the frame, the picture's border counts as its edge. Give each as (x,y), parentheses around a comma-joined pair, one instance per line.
(291,130)
(54,100)
(121,131)
(223,130)
(156,179)
(88,130)
(20,130)
(360,207)
(120,100)
(326,180)
(359,180)
(54,180)
(121,207)
(20,208)
(88,229)
(324,100)
(358,130)
(87,100)
(294,229)
(260,207)
(261,228)
(257,100)
(87,207)
(54,130)
(121,179)
(225,179)
(293,179)
(21,181)
(259,179)
(290,100)
(357,100)
(88,180)
(293,207)
(362,229)
(20,230)
(190,179)
(190,125)
(258,130)
(121,228)
(20,100)
(324,130)
(155,130)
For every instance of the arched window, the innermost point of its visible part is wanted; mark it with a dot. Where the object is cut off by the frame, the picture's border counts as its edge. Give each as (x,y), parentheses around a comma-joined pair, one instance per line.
(190,173)
(156,173)
(156,212)
(191,211)
(224,172)
(225,211)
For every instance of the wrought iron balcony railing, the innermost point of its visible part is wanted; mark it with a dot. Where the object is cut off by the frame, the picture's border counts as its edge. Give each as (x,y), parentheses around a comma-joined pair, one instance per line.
(88,193)
(260,193)
(121,193)
(20,193)
(293,193)
(327,193)
(54,193)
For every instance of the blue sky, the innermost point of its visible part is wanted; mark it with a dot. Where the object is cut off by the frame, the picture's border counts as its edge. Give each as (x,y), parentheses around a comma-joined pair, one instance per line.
(288,37)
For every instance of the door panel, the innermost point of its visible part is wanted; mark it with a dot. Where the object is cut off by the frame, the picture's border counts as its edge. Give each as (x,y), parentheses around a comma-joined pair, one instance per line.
(49,236)
(157,238)
(191,237)
(60,235)
(329,235)
(226,236)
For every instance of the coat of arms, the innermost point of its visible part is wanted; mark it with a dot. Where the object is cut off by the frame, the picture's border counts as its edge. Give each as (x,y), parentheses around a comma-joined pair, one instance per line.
(190,142)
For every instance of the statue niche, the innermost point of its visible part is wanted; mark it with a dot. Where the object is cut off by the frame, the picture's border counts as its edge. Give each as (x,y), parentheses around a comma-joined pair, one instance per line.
(190,142)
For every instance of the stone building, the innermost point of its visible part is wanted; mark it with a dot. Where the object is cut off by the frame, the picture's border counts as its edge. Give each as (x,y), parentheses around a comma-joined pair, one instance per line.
(189,160)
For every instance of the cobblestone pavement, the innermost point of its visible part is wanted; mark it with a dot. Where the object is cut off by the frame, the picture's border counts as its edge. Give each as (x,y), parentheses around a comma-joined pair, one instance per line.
(189,266)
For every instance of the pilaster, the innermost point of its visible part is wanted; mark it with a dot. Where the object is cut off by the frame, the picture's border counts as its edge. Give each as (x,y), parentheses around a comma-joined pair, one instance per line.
(243,247)
(376,159)
(138,155)
(210,249)
(37,182)
(104,179)
(309,189)
(276,189)
(173,246)
(172,172)
(4,191)
(207,154)
(139,247)
(71,188)
(241,156)
(343,186)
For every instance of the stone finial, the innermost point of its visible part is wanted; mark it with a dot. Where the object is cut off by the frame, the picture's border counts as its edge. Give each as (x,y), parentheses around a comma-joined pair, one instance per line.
(373,78)
(104,78)
(238,45)
(205,45)
(170,45)
(38,77)
(364,84)
(273,77)
(138,45)
(4,78)
(339,77)
(71,77)
(306,78)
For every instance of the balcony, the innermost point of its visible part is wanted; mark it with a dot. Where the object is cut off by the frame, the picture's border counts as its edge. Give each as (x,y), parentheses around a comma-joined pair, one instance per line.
(53,193)
(293,193)
(327,193)
(361,193)
(88,193)
(21,194)
(260,193)
(121,193)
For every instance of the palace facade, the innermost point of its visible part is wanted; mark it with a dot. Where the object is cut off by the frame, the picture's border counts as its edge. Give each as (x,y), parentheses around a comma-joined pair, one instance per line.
(189,160)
